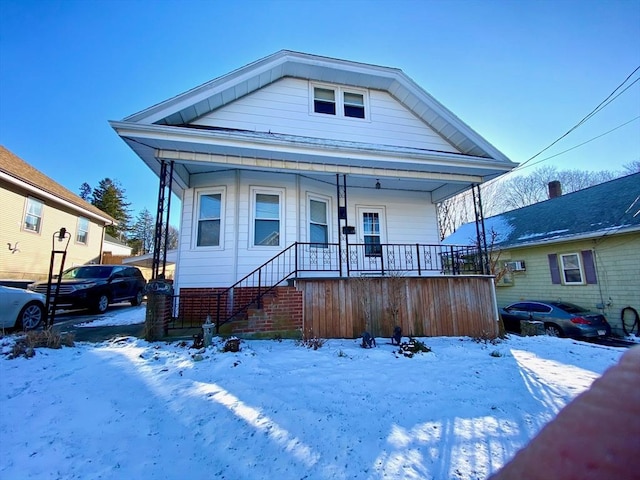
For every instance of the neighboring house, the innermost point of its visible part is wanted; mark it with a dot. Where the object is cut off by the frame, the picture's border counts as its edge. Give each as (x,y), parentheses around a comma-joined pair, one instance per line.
(337,160)
(114,247)
(34,209)
(582,247)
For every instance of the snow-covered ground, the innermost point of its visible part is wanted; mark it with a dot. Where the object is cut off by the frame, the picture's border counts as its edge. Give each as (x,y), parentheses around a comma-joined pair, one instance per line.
(126,316)
(277,410)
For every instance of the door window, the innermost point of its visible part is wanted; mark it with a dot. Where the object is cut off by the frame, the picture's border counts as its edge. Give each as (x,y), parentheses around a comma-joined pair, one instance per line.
(371,234)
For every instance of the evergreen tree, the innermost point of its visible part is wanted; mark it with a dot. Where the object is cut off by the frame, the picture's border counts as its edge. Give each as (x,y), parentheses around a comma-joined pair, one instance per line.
(142,233)
(85,192)
(109,196)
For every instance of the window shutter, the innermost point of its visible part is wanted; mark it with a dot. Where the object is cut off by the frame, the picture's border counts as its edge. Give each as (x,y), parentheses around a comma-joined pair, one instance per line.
(553,267)
(589,267)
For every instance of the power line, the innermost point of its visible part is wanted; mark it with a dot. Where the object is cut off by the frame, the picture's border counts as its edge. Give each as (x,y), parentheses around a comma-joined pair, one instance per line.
(520,167)
(610,98)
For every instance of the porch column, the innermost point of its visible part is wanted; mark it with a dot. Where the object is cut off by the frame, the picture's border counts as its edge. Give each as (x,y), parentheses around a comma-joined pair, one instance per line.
(160,238)
(481,237)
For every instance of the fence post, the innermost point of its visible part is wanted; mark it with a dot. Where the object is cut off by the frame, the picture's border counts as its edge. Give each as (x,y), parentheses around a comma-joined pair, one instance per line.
(418,257)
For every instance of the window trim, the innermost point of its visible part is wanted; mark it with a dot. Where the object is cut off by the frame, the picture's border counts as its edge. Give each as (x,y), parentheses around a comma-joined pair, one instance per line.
(254,192)
(26,212)
(78,230)
(198,193)
(563,269)
(339,92)
(327,201)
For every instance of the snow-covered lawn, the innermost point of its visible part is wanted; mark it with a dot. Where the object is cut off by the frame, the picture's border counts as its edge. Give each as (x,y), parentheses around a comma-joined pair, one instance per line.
(128,409)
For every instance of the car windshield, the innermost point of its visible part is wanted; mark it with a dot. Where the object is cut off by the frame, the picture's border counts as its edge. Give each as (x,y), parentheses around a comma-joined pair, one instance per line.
(569,307)
(87,272)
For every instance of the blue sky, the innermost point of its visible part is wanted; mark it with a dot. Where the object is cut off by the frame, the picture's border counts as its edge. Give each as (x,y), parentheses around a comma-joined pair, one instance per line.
(519,73)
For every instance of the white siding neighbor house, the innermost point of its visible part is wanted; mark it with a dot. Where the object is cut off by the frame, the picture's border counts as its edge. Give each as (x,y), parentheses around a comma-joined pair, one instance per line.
(341,160)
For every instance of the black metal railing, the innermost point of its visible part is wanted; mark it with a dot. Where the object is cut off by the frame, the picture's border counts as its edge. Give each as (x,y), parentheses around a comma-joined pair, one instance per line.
(224,305)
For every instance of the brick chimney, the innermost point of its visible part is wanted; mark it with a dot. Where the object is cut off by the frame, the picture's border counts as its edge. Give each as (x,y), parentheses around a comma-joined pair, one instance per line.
(555,189)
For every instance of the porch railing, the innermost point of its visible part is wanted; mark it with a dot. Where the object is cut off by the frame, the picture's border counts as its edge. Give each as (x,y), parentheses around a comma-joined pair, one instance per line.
(223,305)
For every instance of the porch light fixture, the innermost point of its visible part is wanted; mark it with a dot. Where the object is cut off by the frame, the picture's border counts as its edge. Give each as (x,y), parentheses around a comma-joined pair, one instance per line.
(378,184)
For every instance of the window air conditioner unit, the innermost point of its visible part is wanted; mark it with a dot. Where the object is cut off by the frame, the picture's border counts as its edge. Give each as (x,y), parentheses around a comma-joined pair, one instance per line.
(516,266)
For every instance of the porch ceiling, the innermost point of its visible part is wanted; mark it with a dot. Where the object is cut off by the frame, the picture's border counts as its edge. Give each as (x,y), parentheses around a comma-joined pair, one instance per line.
(196,152)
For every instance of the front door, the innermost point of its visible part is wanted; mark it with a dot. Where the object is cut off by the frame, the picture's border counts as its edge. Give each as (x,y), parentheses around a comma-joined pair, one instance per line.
(371,232)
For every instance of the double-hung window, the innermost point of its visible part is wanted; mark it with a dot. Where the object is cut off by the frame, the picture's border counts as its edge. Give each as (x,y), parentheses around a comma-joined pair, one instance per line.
(266,218)
(33,215)
(82,234)
(324,101)
(353,105)
(571,269)
(318,224)
(209,219)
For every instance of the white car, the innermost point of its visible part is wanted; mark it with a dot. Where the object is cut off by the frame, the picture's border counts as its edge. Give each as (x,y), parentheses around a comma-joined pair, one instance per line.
(21,308)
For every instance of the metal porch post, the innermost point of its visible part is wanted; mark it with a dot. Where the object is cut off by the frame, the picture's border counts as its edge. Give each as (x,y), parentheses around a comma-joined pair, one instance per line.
(342,223)
(480,231)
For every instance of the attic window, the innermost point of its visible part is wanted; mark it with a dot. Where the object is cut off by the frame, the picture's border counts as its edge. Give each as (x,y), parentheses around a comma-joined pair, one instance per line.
(324,101)
(353,105)
(339,101)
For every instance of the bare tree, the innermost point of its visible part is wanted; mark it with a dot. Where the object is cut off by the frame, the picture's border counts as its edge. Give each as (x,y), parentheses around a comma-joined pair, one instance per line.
(458,210)
(525,190)
(631,167)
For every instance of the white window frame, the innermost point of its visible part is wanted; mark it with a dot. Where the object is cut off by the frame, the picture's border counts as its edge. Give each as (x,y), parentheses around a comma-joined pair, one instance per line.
(198,193)
(26,212)
(80,230)
(254,192)
(327,201)
(339,92)
(563,268)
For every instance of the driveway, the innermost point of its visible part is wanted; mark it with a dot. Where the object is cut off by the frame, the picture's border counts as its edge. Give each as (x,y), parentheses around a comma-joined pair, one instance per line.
(68,321)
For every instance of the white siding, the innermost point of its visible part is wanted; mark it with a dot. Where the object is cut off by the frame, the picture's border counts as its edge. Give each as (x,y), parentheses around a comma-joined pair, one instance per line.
(285,107)
(410,218)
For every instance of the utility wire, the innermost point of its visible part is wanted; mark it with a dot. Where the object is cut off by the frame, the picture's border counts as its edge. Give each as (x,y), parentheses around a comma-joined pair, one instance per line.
(600,106)
(579,145)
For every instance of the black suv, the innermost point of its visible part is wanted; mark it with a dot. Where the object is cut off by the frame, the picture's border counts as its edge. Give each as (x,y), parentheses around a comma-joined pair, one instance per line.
(96,286)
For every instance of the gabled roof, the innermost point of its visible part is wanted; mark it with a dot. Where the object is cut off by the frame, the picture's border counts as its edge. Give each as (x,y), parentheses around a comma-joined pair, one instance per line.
(163,132)
(606,209)
(18,172)
(199,101)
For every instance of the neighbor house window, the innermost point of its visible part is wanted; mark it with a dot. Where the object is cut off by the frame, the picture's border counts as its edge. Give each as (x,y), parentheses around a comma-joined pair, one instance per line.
(33,215)
(82,234)
(324,101)
(318,225)
(266,219)
(571,269)
(353,105)
(209,212)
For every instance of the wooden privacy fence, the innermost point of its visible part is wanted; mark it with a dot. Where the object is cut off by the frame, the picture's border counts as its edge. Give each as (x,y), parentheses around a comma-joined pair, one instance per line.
(422,306)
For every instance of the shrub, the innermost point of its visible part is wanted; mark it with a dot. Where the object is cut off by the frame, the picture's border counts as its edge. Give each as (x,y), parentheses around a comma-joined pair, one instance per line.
(413,346)
(231,345)
(48,338)
(311,341)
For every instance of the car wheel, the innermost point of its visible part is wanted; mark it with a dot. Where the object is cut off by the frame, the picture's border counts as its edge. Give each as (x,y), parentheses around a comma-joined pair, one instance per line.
(102,303)
(553,330)
(137,300)
(30,316)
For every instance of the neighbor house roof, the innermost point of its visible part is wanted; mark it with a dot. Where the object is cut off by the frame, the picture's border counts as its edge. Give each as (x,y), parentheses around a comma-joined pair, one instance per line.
(18,172)
(163,132)
(606,209)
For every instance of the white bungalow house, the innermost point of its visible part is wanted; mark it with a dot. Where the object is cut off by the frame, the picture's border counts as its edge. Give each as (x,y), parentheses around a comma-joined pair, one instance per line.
(309,167)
